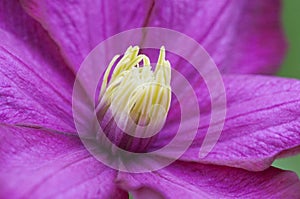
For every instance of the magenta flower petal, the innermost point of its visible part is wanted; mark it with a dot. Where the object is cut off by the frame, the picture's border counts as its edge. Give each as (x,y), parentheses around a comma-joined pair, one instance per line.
(79,26)
(43,50)
(242,36)
(190,180)
(262,123)
(41,164)
(35,91)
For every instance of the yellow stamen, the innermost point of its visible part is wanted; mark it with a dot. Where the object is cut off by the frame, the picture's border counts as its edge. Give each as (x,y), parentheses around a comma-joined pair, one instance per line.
(135,91)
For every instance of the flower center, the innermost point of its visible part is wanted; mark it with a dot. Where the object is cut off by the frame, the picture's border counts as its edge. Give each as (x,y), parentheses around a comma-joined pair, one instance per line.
(137,96)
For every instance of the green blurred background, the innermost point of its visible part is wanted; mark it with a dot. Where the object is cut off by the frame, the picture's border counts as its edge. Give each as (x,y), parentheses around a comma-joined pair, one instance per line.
(291,65)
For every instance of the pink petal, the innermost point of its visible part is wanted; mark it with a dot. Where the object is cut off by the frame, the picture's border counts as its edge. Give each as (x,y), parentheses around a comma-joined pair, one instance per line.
(78,26)
(42,164)
(35,87)
(262,123)
(14,20)
(242,36)
(191,180)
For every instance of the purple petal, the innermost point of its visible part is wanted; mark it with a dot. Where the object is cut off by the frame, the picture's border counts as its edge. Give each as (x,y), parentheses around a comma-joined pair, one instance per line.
(41,164)
(14,20)
(242,36)
(191,180)
(78,26)
(35,88)
(262,123)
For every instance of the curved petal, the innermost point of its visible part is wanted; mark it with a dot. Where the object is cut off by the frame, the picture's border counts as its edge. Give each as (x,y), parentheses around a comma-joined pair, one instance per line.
(242,36)
(41,164)
(78,26)
(35,90)
(14,20)
(191,180)
(262,123)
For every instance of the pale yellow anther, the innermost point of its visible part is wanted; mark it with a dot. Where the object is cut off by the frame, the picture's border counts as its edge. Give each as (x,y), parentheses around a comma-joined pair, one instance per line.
(134,90)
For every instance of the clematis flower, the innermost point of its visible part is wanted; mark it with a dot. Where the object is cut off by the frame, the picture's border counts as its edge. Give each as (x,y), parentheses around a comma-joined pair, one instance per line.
(42,46)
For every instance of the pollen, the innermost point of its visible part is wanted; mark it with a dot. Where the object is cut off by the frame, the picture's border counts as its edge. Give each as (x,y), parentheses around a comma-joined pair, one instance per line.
(134,91)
